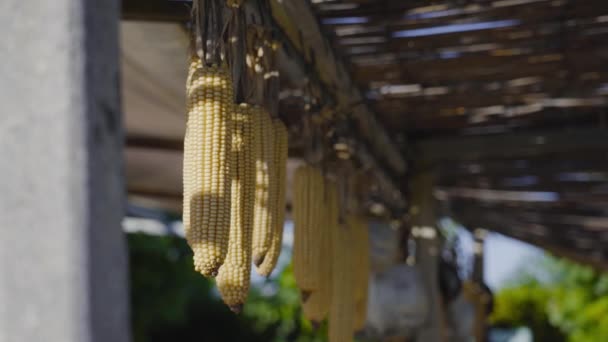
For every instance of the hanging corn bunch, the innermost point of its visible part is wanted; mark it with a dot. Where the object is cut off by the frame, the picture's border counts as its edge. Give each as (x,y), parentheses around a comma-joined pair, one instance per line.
(316,306)
(234,155)
(308,220)
(270,195)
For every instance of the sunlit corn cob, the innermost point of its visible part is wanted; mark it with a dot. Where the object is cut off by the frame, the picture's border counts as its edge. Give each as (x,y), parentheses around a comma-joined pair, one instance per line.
(233,278)
(316,306)
(265,179)
(277,196)
(341,312)
(361,248)
(308,220)
(207,165)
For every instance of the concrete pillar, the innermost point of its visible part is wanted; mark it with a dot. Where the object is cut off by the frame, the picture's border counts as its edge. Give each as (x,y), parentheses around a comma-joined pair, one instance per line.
(428,244)
(63,266)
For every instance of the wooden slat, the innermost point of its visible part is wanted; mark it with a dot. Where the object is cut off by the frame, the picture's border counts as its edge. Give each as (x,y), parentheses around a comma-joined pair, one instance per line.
(560,217)
(595,258)
(521,144)
(529,182)
(572,237)
(156,10)
(482,68)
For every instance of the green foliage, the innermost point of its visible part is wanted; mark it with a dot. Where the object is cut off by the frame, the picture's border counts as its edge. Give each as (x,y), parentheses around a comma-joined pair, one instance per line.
(171,302)
(281,311)
(580,303)
(525,305)
(574,303)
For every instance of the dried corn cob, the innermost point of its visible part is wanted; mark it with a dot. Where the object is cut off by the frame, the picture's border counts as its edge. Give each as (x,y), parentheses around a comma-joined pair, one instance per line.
(233,278)
(277,196)
(308,219)
(265,179)
(316,306)
(207,165)
(341,313)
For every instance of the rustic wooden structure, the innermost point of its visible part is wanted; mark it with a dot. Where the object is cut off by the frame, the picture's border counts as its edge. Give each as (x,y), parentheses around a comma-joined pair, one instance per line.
(505,100)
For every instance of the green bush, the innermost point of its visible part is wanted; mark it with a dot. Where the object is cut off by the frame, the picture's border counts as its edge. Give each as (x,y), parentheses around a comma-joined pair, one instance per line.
(171,302)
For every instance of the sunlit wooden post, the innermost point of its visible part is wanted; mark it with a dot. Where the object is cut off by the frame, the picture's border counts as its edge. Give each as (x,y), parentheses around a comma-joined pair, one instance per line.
(62,253)
(428,244)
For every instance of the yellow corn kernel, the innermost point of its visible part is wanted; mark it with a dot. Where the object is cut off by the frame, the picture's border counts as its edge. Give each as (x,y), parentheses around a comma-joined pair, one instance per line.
(277,197)
(234,275)
(207,171)
(265,180)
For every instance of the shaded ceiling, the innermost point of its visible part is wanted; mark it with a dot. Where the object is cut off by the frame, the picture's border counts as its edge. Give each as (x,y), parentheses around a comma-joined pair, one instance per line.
(431,68)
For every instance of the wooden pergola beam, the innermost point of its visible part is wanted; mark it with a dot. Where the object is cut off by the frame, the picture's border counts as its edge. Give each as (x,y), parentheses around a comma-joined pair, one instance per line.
(156,10)
(298,21)
(482,67)
(555,217)
(513,145)
(506,225)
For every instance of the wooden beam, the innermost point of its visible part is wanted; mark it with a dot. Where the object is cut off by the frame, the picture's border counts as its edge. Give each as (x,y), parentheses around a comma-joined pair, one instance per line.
(474,96)
(597,200)
(560,173)
(154,143)
(297,19)
(513,145)
(396,10)
(156,10)
(556,217)
(479,67)
(154,193)
(505,225)
(529,182)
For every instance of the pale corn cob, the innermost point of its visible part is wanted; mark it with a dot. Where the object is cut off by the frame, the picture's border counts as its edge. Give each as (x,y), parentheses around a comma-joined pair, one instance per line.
(300,186)
(234,275)
(188,175)
(316,306)
(308,219)
(341,312)
(361,248)
(277,196)
(207,165)
(265,178)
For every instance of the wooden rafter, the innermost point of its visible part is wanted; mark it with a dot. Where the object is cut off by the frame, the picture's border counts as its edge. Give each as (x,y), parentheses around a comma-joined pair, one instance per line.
(516,144)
